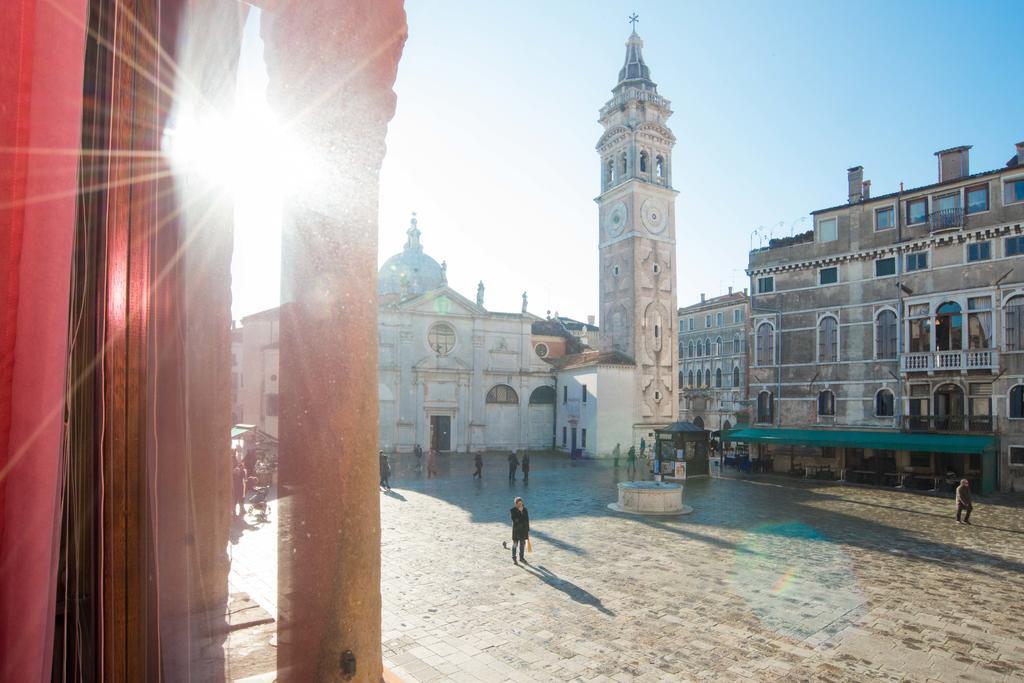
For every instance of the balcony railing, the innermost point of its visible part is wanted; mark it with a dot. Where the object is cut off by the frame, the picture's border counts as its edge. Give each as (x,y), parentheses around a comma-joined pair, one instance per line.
(946,219)
(951,361)
(947,423)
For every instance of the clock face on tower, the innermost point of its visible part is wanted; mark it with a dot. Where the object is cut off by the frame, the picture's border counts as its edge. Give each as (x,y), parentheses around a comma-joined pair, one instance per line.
(615,219)
(653,215)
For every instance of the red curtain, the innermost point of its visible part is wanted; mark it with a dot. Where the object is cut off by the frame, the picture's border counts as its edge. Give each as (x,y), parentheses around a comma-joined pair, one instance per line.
(42,52)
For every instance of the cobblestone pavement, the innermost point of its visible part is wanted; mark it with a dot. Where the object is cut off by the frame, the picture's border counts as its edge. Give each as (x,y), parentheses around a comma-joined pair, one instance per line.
(768,579)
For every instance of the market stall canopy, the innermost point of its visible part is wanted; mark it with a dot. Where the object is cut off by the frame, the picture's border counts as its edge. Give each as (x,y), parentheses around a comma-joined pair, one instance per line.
(888,440)
(679,427)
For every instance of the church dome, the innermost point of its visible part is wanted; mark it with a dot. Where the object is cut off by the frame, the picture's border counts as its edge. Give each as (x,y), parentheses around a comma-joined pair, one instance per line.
(411,272)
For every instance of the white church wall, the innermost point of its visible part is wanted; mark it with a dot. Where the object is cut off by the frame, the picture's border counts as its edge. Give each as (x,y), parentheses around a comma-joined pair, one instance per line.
(615,409)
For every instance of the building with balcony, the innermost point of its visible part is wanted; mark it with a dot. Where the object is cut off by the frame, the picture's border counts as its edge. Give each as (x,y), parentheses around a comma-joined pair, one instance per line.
(713,361)
(887,344)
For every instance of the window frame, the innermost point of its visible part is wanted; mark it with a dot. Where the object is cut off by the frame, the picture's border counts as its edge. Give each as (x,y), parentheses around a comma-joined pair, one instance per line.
(771,344)
(431,334)
(818,346)
(494,391)
(820,232)
(895,341)
(1015,239)
(891,208)
(912,202)
(1012,180)
(967,198)
(1009,455)
(770,408)
(978,244)
(892,402)
(827,268)
(1009,402)
(916,256)
(885,258)
(831,402)
(768,280)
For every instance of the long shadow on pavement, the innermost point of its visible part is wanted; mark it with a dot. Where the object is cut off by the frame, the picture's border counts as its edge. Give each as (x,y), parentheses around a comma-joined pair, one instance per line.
(568,587)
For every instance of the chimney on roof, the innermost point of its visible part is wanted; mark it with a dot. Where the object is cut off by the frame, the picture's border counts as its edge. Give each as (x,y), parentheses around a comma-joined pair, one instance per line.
(744,291)
(855,180)
(702,297)
(730,289)
(591,319)
(1020,153)
(865,190)
(953,163)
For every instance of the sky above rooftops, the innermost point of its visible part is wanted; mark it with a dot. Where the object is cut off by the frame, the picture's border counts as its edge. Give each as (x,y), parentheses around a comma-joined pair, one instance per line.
(493,139)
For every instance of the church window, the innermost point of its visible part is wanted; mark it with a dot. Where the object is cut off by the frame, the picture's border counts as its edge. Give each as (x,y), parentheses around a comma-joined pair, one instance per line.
(502,393)
(659,166)
(707,377)
(718,378)
(541,349)
(689,379)
(543,396)
(643,162)
(441,338)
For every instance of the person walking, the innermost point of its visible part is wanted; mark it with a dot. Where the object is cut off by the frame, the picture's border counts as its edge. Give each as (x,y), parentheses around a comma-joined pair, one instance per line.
(385,471)
(418,451)
(642,459)
(520,529)
(526,468)
(631,462)
(963,501)
(478,462)
(431,463)
(616,452)
(238,488)
(513,465)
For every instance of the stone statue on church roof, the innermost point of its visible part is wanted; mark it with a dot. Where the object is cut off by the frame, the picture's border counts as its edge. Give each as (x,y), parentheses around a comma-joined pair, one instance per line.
(524,302)
(480,294)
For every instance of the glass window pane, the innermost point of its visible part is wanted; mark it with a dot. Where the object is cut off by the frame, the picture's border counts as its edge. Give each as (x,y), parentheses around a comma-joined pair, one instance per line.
(977,199)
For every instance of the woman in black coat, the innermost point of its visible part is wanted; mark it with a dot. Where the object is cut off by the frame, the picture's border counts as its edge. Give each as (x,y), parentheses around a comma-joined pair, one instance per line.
(520,529)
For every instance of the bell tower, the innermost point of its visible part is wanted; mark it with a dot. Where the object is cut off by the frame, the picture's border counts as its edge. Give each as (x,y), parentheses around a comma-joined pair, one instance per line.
(637,237)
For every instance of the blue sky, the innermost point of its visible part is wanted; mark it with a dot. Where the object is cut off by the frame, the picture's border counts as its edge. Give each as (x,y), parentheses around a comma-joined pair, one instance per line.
(493,139)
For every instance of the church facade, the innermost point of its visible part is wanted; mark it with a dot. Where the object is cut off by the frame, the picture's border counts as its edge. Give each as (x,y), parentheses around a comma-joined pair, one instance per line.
(453,375)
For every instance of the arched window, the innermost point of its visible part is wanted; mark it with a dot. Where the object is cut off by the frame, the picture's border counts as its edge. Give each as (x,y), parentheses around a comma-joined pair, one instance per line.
(643,162)
(884,403)
(707,377)
(689,379)
(1014,312)
(690,349)
(707,347)
(502,393)
(680,378)
(698,422)
(949,327)
(625,164)
(765,404)
(736,376)
(719,347)
(609,173)
(540,396)
(718,378)
(828,340)
(659,166)
(441,338)
(885,334)
(1017,402)
(736,346)
(826,403)
(764,344)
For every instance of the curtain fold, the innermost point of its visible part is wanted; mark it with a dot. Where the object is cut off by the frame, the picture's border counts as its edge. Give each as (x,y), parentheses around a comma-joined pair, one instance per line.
(42,46)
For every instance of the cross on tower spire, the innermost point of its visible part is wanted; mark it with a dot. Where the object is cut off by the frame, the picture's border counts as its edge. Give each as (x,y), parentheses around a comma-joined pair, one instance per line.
(633,18)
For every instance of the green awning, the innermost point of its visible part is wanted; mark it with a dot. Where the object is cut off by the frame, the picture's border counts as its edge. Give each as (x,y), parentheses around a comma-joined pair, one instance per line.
(238,430)
(880,439)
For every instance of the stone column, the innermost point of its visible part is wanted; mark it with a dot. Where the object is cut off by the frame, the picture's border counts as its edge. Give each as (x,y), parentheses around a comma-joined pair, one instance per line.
(331,67)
